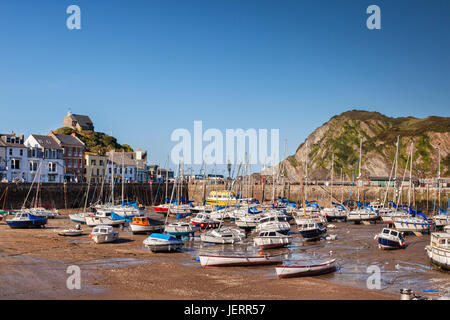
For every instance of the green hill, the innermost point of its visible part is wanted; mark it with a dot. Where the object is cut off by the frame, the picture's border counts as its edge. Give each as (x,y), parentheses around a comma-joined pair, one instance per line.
(96,142)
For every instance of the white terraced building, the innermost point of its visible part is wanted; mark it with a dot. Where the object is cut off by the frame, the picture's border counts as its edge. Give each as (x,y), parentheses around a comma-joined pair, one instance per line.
(44,151)
(13,158)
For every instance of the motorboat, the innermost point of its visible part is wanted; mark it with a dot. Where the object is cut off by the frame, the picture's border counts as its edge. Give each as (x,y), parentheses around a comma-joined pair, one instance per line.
(27,220)
(272,239)
(223,235)
(310,229)
(441,220)
(159,242)
(247,222)
(104,234)
(291,269)
(390,239)
(204,221)
(142,225)
(79,217)
(236,259)
(103,217)
(272,223)
(39,211)
(439,249)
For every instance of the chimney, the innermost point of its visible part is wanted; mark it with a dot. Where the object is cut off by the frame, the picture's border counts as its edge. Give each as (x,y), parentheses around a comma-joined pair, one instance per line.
(73,134)
(51,133)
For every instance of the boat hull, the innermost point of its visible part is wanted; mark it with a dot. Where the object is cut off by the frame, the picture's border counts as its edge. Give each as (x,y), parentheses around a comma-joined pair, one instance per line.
(144,229)
(387,244)
(305,270)
(439,257)
(232,261)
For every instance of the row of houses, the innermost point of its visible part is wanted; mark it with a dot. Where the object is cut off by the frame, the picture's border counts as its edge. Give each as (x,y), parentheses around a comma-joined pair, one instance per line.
(63,158)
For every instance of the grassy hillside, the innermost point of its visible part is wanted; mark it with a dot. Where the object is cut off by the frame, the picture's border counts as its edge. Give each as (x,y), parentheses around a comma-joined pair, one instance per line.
(97,142)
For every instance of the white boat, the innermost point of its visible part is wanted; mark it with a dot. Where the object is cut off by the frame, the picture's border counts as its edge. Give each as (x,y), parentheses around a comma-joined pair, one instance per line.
(334,213)
(207,209)
(442,219)
(363,214)
(79,217)
(70,232)
(272,223)
(224,235)
(248,222)
(239,260)
(103,234)
(390,216)
(158,242)
(181,228)
(103,217)
(310,229)
(292,269)
(272,239)
(390,239)
(412,224)
(439,249)
(43,212)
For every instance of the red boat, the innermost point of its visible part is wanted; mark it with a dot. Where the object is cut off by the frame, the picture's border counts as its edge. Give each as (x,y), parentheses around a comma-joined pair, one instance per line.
(203,221)
(161,208)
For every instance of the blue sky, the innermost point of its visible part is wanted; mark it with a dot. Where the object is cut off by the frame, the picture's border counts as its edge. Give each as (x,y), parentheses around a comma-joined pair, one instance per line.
(145,68)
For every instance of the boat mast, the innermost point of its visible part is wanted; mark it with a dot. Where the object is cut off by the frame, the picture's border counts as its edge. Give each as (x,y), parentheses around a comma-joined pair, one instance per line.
(359,166)
(167,177)
(306,176)
(332,171)
(410,175)
(439,178)
(123,175)
(395,174)
(112,177)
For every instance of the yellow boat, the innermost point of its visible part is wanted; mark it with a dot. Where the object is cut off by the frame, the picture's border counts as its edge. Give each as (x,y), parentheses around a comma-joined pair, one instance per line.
(222,198)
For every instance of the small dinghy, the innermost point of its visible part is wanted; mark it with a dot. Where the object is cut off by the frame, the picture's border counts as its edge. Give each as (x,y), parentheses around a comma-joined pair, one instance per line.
(291,269)
(390,239)
(103,234)
(77,231)
(224,235)
(239,260)
(158,242)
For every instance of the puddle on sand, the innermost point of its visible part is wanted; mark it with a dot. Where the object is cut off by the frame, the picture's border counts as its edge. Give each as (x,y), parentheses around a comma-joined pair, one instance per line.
(25,277)
(355,250)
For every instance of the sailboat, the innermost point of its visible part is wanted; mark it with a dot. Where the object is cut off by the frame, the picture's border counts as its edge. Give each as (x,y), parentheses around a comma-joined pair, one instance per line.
(442,218)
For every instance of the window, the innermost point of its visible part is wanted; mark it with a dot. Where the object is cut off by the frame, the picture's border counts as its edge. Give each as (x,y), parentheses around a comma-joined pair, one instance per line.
(80,163)
(75,152)
(69,163)
(10,151)
(15,164)
(21,152)
(101,162)
(98,172)
(75,163)
(93,163)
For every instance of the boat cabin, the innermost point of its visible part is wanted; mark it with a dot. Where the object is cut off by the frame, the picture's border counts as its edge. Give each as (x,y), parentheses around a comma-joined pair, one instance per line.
(142,221)
(392,232)
(103,229)
(267,234)
(440,240)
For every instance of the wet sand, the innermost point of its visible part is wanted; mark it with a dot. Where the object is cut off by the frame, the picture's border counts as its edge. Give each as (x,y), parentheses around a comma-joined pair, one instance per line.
(33,265)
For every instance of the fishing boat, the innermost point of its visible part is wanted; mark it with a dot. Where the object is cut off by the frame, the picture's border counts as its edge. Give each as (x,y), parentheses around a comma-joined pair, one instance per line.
(181,229)
(27,220)
(223,235)
(310,229)
(390,239)
(159,242)
(291,269)
(272,239)
(204,221)
(439,249)
(104,234)
(239,260)
(273,223)
(142,225)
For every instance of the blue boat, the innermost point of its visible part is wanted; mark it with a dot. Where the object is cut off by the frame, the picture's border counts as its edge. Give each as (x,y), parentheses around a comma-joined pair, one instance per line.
(390,239)
(27,220)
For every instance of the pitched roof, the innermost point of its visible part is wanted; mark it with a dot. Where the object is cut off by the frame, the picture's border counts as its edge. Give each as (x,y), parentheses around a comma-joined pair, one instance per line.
(82,120)
(64,139)
(46,141)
